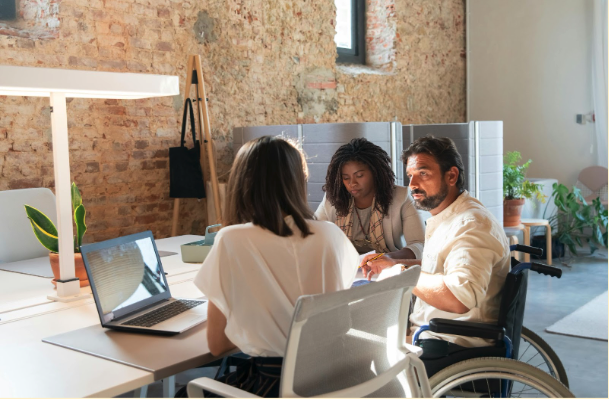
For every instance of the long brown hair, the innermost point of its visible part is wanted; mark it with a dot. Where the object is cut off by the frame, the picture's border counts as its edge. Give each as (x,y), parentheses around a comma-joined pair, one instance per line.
(268,177)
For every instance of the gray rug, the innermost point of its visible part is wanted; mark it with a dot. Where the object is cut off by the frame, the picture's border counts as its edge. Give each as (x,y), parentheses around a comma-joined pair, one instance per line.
(589,321)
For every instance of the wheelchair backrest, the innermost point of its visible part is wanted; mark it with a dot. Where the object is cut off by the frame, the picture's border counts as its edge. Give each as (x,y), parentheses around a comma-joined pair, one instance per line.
(511,310)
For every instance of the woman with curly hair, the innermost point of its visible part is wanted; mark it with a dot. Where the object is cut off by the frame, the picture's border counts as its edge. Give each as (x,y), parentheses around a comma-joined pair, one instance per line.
(362,199)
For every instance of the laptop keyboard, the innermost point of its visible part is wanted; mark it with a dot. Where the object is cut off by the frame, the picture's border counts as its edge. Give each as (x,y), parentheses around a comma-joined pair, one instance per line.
(163,313)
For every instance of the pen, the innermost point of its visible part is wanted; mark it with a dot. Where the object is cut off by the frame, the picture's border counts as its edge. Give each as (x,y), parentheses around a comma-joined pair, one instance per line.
(375,258)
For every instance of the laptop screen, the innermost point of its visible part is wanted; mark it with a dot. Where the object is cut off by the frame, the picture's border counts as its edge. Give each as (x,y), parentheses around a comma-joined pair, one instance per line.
(125,274)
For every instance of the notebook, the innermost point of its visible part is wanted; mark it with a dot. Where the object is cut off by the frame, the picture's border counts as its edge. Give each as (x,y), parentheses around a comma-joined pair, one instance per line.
(130,289)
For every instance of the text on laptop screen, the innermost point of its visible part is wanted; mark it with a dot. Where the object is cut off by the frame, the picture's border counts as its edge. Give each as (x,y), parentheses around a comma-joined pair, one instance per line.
(125,274)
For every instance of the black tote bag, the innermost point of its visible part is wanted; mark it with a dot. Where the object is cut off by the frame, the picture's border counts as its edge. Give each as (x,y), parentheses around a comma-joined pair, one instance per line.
(185,175)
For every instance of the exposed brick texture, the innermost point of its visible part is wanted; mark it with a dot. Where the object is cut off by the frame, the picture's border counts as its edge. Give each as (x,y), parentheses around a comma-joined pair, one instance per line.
(381,34)
(265,63)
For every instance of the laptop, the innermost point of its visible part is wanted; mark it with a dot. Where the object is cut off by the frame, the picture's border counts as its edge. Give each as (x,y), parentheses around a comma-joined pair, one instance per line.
(130,289)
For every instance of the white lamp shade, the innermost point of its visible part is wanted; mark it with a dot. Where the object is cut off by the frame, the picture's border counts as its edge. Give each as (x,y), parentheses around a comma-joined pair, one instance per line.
(41,82)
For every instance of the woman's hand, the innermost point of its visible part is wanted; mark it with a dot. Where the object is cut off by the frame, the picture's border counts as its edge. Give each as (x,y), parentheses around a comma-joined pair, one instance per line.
(371,267)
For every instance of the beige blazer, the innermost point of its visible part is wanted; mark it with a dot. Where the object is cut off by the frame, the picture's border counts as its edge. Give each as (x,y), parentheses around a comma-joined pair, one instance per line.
(403,225)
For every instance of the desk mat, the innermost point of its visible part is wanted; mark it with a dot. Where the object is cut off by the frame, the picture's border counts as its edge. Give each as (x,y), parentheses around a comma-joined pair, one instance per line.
(40,267)
(163,356)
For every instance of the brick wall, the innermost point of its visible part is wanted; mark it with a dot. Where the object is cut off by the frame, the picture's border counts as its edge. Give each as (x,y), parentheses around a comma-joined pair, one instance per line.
(264,62)
(380,34)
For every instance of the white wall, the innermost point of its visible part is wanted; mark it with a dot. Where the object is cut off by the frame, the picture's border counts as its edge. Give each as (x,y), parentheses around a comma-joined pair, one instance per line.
(530,66)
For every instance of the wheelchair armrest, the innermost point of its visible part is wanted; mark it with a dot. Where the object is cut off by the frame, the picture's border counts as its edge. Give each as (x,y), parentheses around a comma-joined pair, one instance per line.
(467,329)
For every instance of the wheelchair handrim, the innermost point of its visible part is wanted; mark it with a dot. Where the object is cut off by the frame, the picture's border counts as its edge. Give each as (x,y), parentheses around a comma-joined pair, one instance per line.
(494,373)
(545,357)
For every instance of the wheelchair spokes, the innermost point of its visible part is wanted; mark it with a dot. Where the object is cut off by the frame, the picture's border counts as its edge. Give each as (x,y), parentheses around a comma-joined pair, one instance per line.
(484,378)
(536,352)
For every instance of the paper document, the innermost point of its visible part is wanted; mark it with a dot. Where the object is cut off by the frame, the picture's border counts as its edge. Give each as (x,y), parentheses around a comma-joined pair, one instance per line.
(390,272)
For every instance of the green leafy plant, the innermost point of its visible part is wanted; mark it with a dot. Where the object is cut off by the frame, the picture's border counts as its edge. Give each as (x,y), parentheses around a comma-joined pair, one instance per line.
(45,230)
(575,221)
(515,186)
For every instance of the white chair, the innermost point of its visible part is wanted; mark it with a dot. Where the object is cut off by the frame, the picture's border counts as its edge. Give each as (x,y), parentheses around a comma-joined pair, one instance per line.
(350,343)
(17,240)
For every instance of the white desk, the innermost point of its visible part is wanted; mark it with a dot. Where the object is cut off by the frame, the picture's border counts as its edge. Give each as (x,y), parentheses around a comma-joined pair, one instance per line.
(32,368)
(18,290)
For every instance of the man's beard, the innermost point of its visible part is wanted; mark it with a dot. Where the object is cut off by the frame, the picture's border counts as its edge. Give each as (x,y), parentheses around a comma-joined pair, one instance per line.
(429,203)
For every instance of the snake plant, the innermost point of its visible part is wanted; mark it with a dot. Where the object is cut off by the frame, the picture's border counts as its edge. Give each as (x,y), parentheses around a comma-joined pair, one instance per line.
(45,230)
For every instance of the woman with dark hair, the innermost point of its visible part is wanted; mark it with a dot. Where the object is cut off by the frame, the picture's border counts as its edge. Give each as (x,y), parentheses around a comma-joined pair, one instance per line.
(364,202)
(271,252)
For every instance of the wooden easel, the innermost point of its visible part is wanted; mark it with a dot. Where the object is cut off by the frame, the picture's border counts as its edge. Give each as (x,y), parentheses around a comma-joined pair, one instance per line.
(194,65)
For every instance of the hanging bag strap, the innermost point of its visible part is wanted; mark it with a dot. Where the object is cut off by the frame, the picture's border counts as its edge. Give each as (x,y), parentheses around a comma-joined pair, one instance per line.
(188,106)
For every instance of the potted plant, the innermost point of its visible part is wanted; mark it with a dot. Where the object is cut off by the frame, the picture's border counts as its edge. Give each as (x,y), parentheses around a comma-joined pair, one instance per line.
(575,222)
(516,188)
(46,232)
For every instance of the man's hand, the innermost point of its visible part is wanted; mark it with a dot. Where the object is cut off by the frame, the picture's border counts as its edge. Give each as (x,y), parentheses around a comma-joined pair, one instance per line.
(372,267)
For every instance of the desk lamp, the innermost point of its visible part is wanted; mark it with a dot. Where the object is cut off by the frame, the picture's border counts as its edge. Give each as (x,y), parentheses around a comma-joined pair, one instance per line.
(59,84)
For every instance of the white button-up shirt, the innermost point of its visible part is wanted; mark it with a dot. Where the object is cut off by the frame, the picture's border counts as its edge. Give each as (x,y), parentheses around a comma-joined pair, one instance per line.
(467,245)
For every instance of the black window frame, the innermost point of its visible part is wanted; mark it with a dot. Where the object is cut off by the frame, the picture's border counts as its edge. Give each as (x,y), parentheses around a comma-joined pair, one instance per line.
(8,10)
(357,55)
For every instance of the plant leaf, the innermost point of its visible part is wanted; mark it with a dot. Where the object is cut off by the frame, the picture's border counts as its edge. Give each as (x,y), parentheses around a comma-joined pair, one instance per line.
(593,247)
(580,217)
(41,220)
(81,227)
(76,197)
(598,235)
(560,189)
(572,248)
(577,193)
(49,241)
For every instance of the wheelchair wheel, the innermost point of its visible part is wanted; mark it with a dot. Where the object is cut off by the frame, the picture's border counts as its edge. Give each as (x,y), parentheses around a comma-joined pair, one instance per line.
(536,352)
(484,377)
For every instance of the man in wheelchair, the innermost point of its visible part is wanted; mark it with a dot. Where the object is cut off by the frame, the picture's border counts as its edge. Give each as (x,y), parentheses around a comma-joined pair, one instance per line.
(466,256)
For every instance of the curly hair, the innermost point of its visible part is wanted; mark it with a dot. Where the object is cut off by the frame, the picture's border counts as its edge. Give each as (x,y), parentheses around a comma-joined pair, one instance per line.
(370,154)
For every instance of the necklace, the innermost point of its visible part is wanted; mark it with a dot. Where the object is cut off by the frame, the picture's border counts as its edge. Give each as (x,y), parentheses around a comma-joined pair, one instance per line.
(359,219)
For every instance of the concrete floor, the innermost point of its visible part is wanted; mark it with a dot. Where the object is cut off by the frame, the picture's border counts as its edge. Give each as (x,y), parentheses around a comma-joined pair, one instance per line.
(551,299)
(548,300)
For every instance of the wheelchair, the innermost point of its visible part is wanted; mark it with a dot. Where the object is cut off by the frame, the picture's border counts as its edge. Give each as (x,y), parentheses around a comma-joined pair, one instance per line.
(499,370)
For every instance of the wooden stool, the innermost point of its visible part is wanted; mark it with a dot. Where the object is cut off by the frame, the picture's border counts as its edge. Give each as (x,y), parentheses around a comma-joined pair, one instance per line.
(512,235)
(527,236)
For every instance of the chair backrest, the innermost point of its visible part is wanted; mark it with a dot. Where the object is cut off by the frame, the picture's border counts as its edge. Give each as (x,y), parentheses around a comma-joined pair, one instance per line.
(593,182)
(352,343)
(511,310)
(17,239)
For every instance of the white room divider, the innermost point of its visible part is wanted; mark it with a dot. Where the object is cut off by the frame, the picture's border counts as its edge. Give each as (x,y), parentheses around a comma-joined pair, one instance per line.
(479,143)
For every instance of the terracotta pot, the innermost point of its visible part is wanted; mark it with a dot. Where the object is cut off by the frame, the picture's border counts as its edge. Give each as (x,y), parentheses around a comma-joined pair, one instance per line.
(80,270)
(512,209)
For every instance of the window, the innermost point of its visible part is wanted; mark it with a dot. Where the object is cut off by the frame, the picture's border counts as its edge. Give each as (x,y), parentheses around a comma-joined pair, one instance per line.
(350,31)
(7,10)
